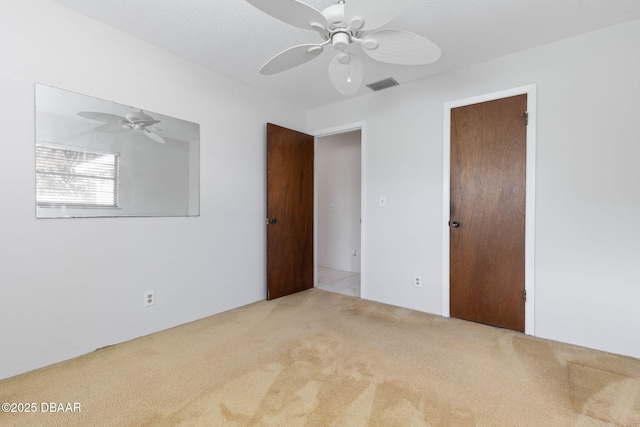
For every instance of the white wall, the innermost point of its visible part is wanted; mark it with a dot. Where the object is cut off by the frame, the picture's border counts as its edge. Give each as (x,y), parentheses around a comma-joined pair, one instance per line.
(587,200)
(69,286)
(338,174)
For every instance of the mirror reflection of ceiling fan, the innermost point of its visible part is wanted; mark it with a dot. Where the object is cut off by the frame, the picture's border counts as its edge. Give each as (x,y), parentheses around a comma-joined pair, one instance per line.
(341,25)
(136,120)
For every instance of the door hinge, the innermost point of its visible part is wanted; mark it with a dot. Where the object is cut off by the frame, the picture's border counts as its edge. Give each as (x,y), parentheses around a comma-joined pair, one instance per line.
(525,295)
(525,115)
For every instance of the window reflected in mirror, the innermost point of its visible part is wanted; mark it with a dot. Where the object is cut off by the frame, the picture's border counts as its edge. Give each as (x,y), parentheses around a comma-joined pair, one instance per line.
(96,158)
(73,177)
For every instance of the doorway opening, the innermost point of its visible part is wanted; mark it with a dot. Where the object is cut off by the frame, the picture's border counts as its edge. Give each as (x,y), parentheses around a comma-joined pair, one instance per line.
(338,210)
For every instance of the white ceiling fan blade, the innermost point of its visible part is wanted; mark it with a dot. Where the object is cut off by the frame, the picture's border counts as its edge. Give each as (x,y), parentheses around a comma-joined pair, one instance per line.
(290,58)
(102,117)
(154,136)
(113,128)
(292,12)
(374,13)
(346,73)
(400,47)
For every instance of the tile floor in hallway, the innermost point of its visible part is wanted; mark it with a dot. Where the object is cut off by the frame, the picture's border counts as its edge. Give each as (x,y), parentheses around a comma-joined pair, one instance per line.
(344,282)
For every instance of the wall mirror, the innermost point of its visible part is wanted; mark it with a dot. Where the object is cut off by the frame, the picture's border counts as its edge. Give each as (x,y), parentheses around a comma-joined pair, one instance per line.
(96,158)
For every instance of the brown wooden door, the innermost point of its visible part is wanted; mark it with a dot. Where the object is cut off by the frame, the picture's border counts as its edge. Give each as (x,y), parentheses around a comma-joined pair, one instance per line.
(487,222)
(289,211)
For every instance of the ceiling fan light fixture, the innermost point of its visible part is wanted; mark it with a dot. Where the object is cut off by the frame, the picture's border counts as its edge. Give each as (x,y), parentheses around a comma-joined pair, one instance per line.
(340,40)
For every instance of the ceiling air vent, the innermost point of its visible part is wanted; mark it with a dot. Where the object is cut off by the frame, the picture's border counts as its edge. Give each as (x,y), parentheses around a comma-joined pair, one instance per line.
(383,84)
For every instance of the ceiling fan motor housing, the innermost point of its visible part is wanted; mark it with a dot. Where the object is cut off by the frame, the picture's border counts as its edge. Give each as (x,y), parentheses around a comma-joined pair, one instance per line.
(340,37)
(335,16)
(138,116)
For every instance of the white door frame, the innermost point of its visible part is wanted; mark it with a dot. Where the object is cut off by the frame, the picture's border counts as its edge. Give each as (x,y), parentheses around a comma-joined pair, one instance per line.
(361,126)
(529,282)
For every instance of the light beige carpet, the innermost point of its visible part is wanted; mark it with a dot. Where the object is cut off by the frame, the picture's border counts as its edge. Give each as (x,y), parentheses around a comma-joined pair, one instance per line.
(323,359)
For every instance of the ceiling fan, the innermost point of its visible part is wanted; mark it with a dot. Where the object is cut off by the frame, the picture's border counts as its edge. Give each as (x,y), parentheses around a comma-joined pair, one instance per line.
(136,120)
(341,25)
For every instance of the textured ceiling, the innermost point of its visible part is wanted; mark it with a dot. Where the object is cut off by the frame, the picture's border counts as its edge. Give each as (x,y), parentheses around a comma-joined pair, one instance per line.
(235,39)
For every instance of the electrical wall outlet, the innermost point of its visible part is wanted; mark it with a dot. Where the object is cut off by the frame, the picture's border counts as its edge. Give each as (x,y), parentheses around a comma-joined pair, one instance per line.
(417,282)
(149,298)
